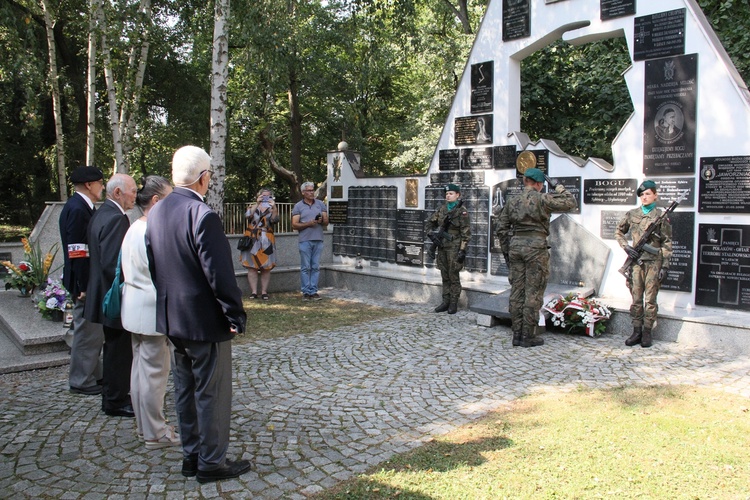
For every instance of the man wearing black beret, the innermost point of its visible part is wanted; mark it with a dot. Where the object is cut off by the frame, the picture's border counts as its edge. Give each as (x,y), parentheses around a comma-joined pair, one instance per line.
(88,338)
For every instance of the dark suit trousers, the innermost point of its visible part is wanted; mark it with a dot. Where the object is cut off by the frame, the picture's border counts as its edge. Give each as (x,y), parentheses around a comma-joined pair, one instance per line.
(117,360)
(202,374)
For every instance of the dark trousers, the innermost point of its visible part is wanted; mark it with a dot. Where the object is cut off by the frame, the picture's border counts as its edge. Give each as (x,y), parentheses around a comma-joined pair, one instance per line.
(117,360)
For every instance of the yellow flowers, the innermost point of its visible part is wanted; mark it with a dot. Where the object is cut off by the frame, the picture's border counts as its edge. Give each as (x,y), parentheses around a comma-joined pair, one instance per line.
(33,270)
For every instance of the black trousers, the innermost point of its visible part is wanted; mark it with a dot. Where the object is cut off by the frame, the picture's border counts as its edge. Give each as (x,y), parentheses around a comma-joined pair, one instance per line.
(118,358)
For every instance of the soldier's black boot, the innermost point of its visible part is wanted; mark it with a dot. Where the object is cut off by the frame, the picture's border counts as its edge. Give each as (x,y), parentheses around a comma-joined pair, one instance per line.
(528,341)
(442,307)
(452,308)
(636,337)
(646,340)
(517,338)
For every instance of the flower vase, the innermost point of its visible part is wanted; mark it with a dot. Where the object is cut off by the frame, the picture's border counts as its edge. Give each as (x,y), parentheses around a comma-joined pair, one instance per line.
(56,315)
(25,292)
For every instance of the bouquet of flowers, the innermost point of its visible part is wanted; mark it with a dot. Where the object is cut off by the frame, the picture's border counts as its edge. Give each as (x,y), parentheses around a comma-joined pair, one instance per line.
(33,270)
(52,298)
(579,313)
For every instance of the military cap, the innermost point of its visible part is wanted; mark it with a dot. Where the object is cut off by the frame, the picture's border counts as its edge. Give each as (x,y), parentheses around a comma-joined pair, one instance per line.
(86,174)
(646,185)
(534,174)
(453,187)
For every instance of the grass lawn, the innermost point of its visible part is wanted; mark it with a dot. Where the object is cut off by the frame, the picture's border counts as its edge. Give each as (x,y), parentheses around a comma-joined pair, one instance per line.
(653,442)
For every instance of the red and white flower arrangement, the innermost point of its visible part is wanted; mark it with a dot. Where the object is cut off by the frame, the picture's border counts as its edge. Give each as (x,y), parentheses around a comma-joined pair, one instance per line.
(578,313)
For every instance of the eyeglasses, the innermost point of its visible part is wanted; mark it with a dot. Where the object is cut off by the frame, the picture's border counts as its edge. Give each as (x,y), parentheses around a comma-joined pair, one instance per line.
(210,173)
(308,190)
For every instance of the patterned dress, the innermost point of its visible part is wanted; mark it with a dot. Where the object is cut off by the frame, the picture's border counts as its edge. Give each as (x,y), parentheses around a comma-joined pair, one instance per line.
(261,255)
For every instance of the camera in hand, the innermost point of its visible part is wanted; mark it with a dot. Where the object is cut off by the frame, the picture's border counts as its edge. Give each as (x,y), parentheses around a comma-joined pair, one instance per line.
(319,217)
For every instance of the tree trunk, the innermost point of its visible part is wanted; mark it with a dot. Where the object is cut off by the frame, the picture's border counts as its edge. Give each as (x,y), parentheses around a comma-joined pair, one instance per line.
(219,75)
(462,14)
(56,102)
(91,84)
(109,77)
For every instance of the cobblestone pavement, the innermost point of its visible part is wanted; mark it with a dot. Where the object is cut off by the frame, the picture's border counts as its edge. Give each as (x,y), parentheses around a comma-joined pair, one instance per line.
(312,410)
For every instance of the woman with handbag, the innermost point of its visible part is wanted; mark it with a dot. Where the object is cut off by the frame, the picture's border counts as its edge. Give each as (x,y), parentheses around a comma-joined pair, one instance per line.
(152,351)
(259,256)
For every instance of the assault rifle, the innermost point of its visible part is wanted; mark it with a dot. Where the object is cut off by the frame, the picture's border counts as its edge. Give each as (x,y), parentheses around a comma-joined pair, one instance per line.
(642,245)
(439,237)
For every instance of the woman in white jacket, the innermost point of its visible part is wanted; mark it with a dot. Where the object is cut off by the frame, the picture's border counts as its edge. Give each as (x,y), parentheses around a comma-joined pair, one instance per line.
(151,350)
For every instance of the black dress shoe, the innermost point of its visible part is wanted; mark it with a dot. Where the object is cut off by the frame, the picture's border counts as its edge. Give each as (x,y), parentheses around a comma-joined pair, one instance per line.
(230,470)
(94,390)
(123,411)
(190,466)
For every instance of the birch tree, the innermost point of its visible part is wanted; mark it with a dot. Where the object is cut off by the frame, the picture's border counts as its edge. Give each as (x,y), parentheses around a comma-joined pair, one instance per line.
(219,75)
(56,101)
(94,7)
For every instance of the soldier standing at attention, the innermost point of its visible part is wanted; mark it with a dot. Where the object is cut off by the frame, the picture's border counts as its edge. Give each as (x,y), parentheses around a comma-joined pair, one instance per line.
(646,277)
(452,222)
(527,217)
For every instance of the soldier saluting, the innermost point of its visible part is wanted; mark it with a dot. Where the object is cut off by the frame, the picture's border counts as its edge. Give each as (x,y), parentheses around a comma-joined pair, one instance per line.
(450,232)
(650,266)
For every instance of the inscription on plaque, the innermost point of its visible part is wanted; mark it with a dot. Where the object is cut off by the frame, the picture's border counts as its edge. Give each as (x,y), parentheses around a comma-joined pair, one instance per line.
(669,118)
(659,35)
(481,87)
(476,158)
(572,184)
(337,191)
(610,9)
(504,157)
(680,275)
(338,212)
(609,191)
(409,237)
(449,159)
(723,271)
(671,189)
(469,130)
(463,178)
(608,223)
(516,19)
(724,184)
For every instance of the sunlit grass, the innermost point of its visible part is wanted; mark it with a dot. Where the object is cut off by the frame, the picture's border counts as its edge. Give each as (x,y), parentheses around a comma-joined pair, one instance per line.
(655,442)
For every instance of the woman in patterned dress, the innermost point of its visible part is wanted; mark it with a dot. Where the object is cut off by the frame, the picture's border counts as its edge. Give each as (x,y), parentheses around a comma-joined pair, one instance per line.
(260,258)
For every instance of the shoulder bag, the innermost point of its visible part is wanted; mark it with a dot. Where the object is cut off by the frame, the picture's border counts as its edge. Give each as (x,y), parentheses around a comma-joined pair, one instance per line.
(113,297)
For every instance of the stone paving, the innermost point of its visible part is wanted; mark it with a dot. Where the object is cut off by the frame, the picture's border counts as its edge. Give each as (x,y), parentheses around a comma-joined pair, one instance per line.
(312,410)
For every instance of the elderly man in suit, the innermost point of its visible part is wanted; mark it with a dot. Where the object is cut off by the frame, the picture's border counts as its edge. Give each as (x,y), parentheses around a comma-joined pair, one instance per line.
(87,338)
(106,232)
(199,307)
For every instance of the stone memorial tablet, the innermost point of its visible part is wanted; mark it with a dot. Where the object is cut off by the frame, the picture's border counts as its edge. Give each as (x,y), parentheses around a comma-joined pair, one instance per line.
(671,189)
(609,191)
(670,115)
(724,185)
(409,254)
(572,184)
(659,35)
(498,266)
(337,191)
(680,275)
(516,19)
(611,9)
(481,87)
(468,130)
(476,158)
(338,212)
(504,157)
(577,257)
(410,226)
(463,178)
(449,159)
(723,271)
(608,223)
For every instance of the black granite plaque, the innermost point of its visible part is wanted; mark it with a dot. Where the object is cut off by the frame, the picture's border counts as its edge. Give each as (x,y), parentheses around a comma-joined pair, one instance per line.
(481,87)
(669,118)
(608,223)
(469,130)
(516,19)
(610,9)
(504,157)
(672,189)
(338,212)
(724,184)
(572,184)
(449,159)
(609,191)
(463,178)
(337,191)
(680,275)
(410,225)
(409,254)
(476,158)
(659,35)
(723,270)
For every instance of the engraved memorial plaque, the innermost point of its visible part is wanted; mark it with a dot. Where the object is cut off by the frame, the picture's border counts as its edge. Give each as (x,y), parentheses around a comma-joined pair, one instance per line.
(468,130)
(532,159)
(572,184)
(680,275)
(481,87)
(671,189)
(608,223)
(449,159)
(409,237)
(476,158)
(412,193)
(609,191)
(723,270)
(659,35)
(670,115)
(337,191)
(516,19)
(504,157)
(338,212)
(724,184)
(611,9)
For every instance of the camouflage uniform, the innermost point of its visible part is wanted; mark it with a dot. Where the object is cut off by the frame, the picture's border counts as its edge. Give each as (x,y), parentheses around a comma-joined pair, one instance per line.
(460,230)
(527,217)
(645,278)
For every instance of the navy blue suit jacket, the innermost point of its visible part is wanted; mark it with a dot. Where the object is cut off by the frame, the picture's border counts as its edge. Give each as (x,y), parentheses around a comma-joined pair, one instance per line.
(197,297)
(74,224)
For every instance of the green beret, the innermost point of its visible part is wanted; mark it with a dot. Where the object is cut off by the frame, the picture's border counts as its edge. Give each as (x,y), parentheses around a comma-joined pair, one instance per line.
(534,174)
(646,185)
(452,187)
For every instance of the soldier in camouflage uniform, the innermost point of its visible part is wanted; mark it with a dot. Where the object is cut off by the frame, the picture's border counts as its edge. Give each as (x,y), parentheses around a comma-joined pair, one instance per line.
(646,278)
(527,217)
(451,251)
